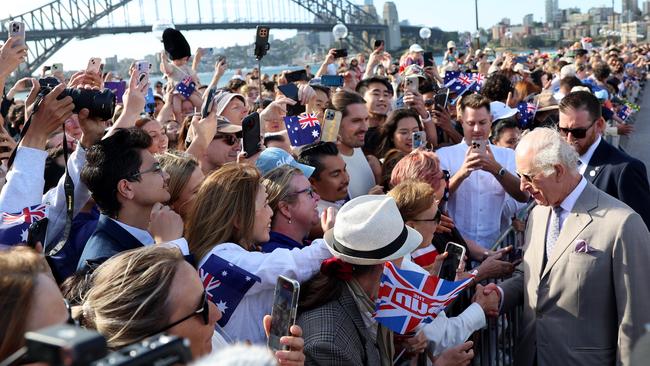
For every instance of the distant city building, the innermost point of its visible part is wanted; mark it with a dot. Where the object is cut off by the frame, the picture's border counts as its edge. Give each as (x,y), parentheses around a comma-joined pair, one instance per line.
(368,3)
(630,10)
(528,20)
(552,12)
(646,8)
(633,31)
(391,19)
(600,14)
(505,21)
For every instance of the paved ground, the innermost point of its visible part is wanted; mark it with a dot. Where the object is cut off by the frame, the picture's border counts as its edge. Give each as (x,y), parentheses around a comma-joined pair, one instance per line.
(638,144)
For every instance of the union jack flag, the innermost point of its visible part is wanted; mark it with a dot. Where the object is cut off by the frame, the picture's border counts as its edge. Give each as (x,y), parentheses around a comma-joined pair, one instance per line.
(303,129)
(226,284)
(408,298)
(425,256)
(14,226)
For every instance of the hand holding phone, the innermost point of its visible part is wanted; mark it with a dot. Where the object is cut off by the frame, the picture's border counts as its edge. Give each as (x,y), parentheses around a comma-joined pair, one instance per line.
(142,69)
(17,30)
(412,84)
(291,91)
(456,254)
(418,139)
(251,134)
(331,125)
(340,52)
(283,315)
(479,146)
(94,65)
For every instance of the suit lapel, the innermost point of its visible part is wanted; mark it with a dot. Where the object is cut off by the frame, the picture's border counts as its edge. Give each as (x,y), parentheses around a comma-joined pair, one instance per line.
(596,162)
(537,244)
(577,220)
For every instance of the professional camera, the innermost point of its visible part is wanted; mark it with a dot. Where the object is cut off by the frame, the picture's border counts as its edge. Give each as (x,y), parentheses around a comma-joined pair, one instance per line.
(100,103)
(67,345)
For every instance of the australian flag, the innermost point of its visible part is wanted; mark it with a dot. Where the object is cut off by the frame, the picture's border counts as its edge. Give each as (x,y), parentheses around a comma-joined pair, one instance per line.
(478,82)
(408,298)
(625,112)
(13,229)
(186,87)
(451,75)
(226,284)
(526,113)
(302,129)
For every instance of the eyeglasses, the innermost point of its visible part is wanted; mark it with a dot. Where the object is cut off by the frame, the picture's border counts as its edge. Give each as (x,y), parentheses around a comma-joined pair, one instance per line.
(203,310)
(309,191)
(436,218)
(230,140)
(527,177)
(155,168)
(578,133)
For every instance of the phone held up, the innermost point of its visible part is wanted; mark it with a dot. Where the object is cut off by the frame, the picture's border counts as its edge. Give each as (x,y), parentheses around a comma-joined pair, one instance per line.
(418,139)
(251,130)
(479,146)
(340,52)
(291,91)
(261,42)
(142,69)
(17,30)
(455,254)
(331,125)
(412,84)
(283,315)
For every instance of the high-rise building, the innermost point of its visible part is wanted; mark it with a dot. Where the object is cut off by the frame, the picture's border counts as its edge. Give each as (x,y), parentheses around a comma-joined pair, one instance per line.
(391,19)
(630,11)
(368,2)
(646,8)
(552,10)
(528,20)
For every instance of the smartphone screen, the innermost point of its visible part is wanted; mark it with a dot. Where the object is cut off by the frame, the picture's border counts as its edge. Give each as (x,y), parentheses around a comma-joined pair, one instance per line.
(208,102)
(283,315)
(298,75)
(251,130)
(331,80)
(379,43)
(341,52)
(456,253)
(291,91)
(428,59)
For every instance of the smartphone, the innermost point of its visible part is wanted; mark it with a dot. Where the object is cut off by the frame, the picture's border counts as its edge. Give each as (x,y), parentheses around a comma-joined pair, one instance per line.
(479,145)
(340,52)
(142,69)
(521,59)
(17,29)
(298,75)
(440,101)
(208,102)
(150,105)
(250,126)
(58,67)
(456,254)
(514,255)
(36,233)
(418,139)
(428,59)
(221,58)
(412,84)
(94,65)
(331,80)
(379,43)
(331,125)
(261,41)
(291,91)
(283,314)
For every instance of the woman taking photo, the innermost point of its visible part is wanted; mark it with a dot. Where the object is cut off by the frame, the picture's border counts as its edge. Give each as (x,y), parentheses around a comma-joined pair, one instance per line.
(397,132)
(230,218)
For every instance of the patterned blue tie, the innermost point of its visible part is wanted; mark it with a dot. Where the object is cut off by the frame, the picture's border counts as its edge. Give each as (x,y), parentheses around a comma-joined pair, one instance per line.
(553,230)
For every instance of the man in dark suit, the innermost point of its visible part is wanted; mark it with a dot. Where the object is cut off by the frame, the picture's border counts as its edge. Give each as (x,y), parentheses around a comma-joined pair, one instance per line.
(128,185)
(608,168)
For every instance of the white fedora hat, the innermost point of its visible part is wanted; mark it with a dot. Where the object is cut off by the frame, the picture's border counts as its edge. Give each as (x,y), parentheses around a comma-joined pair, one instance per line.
(370,230)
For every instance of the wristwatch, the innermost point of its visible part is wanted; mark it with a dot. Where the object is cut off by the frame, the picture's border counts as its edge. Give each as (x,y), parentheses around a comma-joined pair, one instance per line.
(501,173)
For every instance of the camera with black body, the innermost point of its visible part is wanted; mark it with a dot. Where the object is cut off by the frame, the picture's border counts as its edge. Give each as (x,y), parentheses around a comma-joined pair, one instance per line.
(100,103)
(67,345)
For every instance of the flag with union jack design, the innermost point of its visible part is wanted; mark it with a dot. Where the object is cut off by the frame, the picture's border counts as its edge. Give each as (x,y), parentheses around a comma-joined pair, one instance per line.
(625,112)
(408,298)
(186,87)
(13,228)
(226,284)
(450,75)
(425,256)
(302,129)
(526,113)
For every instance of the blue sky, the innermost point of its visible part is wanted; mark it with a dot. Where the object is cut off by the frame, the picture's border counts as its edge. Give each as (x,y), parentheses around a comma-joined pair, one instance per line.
(445,14)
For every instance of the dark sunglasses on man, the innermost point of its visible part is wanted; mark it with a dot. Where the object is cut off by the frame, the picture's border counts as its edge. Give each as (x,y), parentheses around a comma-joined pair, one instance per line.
(578,133)
(229,139)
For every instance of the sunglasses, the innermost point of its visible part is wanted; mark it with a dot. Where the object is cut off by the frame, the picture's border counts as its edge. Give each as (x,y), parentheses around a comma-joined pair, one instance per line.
(230,140)
(436,218)
(578,133)
(203,310)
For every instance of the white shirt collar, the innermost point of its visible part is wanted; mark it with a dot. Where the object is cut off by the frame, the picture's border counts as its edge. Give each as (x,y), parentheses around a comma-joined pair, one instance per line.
(584,158)
(143,236)
(570,200)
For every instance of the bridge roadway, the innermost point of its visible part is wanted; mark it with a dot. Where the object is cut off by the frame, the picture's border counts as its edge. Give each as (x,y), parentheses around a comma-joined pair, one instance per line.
(638,144)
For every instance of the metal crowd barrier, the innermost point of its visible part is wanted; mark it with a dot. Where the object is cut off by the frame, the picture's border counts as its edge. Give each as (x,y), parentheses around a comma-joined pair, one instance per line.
(495,344)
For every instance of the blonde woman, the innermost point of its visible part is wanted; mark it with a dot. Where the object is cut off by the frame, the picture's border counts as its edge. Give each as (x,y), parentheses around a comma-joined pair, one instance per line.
(185,178)
(231,216)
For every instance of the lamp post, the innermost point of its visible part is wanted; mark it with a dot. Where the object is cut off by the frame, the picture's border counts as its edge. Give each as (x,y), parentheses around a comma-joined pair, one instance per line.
(340,31)
(425,34)
(478,40)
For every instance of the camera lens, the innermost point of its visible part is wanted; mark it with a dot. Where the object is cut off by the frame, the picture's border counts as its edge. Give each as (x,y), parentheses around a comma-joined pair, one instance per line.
(100,103)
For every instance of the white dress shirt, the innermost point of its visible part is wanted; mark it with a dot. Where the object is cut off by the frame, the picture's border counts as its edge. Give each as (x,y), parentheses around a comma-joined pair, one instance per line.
(444,332)
(477,204)
(146,239)
(302,264)
(568,203)
(586,157)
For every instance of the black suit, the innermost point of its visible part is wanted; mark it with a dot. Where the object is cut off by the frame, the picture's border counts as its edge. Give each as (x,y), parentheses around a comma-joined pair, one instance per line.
(620,176)
(108,240)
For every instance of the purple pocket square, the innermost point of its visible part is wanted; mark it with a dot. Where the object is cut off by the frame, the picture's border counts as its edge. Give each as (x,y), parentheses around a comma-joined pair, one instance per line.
(583,247)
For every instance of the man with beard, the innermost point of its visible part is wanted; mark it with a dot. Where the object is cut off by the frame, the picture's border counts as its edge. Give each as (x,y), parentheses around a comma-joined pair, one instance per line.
(608,168)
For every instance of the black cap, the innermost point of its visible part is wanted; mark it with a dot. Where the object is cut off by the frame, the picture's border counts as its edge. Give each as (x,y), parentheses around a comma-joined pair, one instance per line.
(175,44)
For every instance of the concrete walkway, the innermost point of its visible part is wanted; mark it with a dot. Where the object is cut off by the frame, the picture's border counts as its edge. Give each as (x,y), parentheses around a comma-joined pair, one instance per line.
(638,144)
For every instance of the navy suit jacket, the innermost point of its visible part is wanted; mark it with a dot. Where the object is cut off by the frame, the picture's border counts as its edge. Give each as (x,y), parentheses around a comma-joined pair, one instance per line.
(621,176)
(108,240)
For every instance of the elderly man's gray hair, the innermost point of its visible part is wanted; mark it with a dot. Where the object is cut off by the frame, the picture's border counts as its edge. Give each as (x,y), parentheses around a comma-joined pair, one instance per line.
(548,149)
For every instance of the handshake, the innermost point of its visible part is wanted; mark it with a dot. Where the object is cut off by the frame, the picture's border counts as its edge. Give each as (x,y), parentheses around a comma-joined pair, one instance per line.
(488,297)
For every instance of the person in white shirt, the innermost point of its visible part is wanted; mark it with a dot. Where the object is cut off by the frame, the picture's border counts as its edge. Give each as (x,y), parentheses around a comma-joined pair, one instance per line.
(364,171)
(230,218)
(482,177)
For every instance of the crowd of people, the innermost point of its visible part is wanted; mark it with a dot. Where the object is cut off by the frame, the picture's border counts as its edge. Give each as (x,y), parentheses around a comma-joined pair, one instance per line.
(119,217)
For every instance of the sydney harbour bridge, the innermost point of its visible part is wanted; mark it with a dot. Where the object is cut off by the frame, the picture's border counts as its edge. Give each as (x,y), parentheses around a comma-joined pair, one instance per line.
(53,25)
